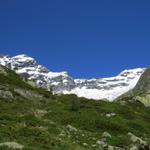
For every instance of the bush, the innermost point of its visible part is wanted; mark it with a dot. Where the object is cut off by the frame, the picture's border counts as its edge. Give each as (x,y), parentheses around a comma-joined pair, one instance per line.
(75,104)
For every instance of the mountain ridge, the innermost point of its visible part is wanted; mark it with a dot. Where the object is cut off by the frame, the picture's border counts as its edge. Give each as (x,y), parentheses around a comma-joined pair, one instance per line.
(62,82)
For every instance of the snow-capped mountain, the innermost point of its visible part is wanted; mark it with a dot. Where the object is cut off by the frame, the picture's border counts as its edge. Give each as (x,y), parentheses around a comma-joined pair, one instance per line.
(61,82)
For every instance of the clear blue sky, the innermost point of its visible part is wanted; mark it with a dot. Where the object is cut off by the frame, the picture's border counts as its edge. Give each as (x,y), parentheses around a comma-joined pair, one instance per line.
(87,38)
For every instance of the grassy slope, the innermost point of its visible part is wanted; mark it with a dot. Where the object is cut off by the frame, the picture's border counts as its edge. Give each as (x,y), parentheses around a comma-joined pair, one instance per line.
(23,121)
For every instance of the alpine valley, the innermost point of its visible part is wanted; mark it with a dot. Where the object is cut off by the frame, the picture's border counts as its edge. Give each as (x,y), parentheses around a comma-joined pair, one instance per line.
(44,110)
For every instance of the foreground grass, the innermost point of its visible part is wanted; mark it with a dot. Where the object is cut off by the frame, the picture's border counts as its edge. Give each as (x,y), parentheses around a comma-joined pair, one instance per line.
(42,124)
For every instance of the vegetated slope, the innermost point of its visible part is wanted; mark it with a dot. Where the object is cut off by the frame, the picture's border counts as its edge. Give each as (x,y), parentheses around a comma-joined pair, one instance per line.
(63,122)
(62,82)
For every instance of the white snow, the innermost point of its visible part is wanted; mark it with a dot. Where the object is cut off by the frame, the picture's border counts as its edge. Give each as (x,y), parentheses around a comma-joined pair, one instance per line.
(112,93)
(22,58)
(4,60)
(57,74)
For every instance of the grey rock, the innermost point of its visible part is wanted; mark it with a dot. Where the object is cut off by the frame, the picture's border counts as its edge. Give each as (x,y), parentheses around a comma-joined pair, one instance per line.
(106,135)
(109,115)
(39,113)
(27,93)
(6,94)
(111,147)
(12,145)
(3,71)
(101,143)
(144,82)
(136,139)
(133,148)
(71,128)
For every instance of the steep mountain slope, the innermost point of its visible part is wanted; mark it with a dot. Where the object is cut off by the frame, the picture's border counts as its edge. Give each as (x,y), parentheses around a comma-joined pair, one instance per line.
(141,92)
(42,121)
(13,87)
(61,82)
(143,84)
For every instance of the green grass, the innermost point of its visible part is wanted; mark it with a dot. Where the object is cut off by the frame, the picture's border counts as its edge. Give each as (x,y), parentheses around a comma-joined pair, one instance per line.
(19,123)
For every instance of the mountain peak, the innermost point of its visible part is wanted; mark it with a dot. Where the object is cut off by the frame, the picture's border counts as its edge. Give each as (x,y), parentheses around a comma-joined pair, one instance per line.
(21,55)
(23,58)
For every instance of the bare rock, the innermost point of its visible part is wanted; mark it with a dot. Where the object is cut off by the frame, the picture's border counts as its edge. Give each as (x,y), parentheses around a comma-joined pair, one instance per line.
(71,128)
(106,135)
(136,139)
(12,145)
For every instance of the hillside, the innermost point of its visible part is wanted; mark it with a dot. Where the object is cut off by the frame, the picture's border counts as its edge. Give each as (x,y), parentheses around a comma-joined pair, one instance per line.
(34,119)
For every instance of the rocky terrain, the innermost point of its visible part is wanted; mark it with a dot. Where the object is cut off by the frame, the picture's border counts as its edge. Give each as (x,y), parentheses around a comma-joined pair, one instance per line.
(61,82)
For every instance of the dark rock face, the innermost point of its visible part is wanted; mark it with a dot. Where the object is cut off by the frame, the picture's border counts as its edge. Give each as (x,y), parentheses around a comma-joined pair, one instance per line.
(144,82)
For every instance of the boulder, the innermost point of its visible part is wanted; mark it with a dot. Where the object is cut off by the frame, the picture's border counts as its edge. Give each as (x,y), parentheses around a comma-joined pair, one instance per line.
(12,145)
(106,135)
(71,128)
(136,139)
